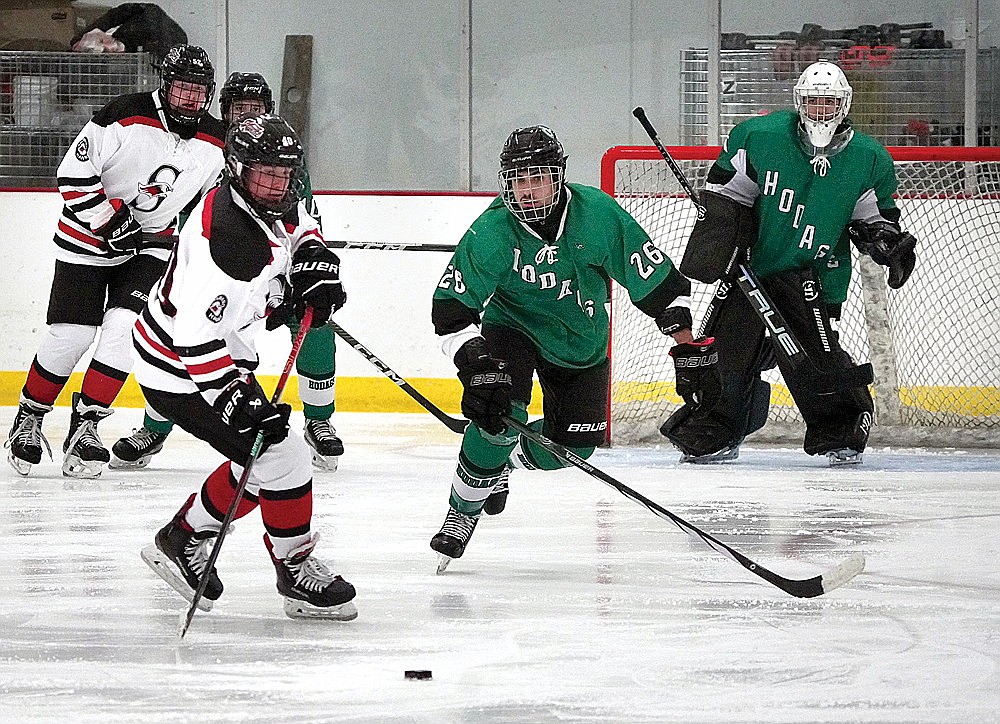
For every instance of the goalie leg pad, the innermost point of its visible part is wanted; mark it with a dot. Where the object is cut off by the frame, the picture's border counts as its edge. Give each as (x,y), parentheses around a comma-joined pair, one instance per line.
(744,400)
(760,404)
(700,435)
(719,240)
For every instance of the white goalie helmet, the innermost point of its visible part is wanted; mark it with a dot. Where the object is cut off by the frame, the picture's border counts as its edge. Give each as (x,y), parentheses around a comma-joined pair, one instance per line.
(823,99)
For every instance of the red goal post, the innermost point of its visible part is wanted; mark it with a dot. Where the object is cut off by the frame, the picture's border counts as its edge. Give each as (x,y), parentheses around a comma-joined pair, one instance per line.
(934,344)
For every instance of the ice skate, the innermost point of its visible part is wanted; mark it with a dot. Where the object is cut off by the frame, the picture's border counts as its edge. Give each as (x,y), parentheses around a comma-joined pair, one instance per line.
(497,500)
(179,556)
(26,440)
(136,450)
(451,540)
(725,455)
(326,447)
(85,454)
(310,589)
(845,456)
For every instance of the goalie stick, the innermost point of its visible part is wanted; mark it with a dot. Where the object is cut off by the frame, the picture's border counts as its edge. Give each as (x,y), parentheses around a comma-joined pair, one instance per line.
(452,423)
(786,344)
(800,588)
(255,451)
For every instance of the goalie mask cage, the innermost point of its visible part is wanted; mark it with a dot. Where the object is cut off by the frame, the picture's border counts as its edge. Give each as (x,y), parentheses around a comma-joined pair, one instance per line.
(934,344)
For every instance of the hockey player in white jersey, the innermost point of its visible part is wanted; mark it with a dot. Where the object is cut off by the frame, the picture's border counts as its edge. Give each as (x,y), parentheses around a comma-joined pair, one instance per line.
(139,162)
(248,254)
(242,94)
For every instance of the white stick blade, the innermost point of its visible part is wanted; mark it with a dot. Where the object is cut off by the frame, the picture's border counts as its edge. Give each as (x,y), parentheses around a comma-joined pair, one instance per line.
(842,573)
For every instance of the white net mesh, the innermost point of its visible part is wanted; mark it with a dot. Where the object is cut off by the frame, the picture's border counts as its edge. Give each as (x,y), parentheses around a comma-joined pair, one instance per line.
(934,343)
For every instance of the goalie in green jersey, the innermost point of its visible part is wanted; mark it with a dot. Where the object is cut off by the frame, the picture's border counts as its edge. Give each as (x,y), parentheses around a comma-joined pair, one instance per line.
(527,292)
(792,189)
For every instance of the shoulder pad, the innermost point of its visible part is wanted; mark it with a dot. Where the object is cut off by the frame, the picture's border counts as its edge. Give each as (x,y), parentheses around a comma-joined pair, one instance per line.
(238,245)
(212,126)
(127,106)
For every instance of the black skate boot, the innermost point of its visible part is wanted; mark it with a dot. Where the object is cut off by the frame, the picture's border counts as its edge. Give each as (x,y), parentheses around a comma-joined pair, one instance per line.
(310,589)
(454,535)
(85,453)
(26,439)
(326,447)
(136,450)
(498,497)
(180,556)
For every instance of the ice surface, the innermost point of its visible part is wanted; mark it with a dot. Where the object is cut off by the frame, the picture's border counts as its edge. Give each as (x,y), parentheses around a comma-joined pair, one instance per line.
(575,604)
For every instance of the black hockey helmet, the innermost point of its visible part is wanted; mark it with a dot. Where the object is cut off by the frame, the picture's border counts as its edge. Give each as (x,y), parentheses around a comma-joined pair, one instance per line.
(186,64)
(244,87)
(266,163)
(532,152)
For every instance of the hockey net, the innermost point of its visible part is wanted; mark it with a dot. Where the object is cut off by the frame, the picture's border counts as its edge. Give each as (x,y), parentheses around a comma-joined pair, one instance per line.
(934,344)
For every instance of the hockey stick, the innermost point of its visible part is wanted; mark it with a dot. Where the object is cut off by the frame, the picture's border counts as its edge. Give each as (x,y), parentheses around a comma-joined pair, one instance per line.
(454,424)
(774,321)
(805,588)
(800,588)
(387,245)
(255,451)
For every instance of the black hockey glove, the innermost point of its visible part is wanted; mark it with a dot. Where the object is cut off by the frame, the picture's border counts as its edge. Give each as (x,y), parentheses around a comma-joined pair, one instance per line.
(488,386)
(696,366)
(887,245)
(243,407)
(674,319)
(122,233)
(316,282)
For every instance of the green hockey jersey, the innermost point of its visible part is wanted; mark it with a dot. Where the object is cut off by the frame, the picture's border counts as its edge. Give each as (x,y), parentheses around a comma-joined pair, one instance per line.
(804,204)
(557,294)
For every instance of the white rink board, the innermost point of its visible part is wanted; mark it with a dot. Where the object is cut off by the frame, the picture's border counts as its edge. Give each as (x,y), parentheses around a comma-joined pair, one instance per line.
(389,293)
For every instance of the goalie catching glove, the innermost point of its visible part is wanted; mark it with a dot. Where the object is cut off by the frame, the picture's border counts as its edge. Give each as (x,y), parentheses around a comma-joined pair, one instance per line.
(696,366)
(887,245)
(244,408)
(122,233)
(488,386)
(315,278)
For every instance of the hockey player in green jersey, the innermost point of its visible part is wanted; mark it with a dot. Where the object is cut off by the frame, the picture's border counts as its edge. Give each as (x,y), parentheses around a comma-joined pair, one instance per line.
(793,189)
(526,292)
(249,93)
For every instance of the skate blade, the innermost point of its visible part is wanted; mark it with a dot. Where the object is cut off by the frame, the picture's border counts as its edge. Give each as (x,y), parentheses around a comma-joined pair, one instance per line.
(838,460)
(117,463)
(21,467)
(165,569)
(328,463)
(723,456)
(300,609)
(74,467)
(443,562)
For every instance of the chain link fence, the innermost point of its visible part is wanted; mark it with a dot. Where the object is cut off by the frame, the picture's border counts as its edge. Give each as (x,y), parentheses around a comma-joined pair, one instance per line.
(902,96)
(46,98)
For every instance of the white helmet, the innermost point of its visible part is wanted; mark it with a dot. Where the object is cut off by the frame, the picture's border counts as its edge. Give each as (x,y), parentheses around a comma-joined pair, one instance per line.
(820,119)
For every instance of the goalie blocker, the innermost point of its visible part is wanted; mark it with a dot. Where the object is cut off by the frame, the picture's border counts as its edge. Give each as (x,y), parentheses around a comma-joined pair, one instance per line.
(722,237)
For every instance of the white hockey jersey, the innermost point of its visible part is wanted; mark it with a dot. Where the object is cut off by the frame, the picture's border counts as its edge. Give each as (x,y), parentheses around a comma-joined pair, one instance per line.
(197,332)
(128,151)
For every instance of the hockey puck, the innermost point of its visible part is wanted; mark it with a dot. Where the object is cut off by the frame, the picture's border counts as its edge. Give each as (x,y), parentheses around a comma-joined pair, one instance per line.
(417,674)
